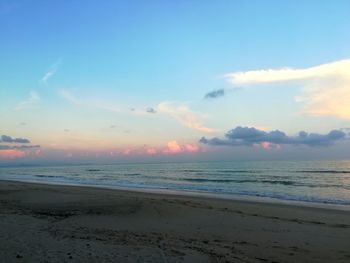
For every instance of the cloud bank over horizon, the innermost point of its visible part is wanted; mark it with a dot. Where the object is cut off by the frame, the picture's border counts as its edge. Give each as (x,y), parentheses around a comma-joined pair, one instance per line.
(20,147)
(13,148)
(250,136)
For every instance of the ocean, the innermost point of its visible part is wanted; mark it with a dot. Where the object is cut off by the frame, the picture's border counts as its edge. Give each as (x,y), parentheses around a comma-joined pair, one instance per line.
(325,182)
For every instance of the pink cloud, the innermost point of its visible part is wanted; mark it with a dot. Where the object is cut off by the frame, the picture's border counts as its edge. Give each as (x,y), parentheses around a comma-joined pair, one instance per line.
(173,147)
(11,154)
(151,151)
(269,145)
(126,151)
(265,145)
(192,148)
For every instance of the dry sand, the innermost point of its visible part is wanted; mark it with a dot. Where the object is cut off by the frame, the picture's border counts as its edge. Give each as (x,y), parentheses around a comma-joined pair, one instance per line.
(46,223)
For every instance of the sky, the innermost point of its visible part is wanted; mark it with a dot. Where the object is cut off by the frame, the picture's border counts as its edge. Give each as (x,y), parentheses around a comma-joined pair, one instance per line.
(148,81)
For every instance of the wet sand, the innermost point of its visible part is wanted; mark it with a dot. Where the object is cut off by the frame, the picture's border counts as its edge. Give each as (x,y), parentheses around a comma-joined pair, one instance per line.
(47,223)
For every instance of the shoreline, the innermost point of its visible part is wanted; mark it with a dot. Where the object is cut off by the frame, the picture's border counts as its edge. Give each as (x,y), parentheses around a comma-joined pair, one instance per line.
(57,223)
(201,195)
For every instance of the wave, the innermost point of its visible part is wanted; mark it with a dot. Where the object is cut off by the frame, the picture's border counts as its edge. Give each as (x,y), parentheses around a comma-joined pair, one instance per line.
(199,171)
(240,171)
(50,176)
(211,180)
(298,198)
(323,171)
(203,180)
(264,181)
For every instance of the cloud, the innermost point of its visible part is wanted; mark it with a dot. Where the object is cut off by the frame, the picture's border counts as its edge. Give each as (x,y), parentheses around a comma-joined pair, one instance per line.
(9,139)
(102,105)
(15,151)
(185,116)
(20,147)
(192,148)
(173,147)
(69,96)
(11,154)
(126,151)
(246,136)
(151,151)
(50,73)
(215,94)
(151,110)
(32,100)
(326,88)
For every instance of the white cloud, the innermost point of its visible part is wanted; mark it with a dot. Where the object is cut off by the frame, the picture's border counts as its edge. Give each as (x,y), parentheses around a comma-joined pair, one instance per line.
(52,71)
(67,95)
(184,115)
(32,100)
(326,88)
(102,105)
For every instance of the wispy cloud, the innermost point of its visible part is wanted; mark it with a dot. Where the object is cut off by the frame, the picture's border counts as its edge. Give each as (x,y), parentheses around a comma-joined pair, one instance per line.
(31,101)
(325,87)
(250,136)
(69,96)
(102,105)
(50,73)
(183,114)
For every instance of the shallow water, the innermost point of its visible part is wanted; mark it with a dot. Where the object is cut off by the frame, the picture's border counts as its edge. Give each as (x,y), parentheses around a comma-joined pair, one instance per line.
(313,181)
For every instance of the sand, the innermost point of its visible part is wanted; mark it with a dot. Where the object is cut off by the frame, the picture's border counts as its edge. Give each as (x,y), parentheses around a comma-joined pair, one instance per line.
(47,223)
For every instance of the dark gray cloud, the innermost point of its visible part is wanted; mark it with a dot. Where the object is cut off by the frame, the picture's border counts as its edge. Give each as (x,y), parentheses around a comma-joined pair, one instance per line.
(151,110)
(9,139)
(249,136)
(215,94)
(20,147)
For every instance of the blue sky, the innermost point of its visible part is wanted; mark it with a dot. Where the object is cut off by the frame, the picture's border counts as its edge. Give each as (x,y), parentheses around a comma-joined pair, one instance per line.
(79,76)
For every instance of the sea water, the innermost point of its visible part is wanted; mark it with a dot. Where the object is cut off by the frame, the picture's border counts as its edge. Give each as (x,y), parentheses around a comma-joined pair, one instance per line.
(326,182)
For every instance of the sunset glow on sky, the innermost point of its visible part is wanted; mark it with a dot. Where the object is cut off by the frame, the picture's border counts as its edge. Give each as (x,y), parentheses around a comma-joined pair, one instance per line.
(110,81)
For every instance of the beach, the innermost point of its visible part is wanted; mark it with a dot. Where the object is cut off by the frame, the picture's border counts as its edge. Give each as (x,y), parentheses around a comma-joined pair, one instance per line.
(56,223)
